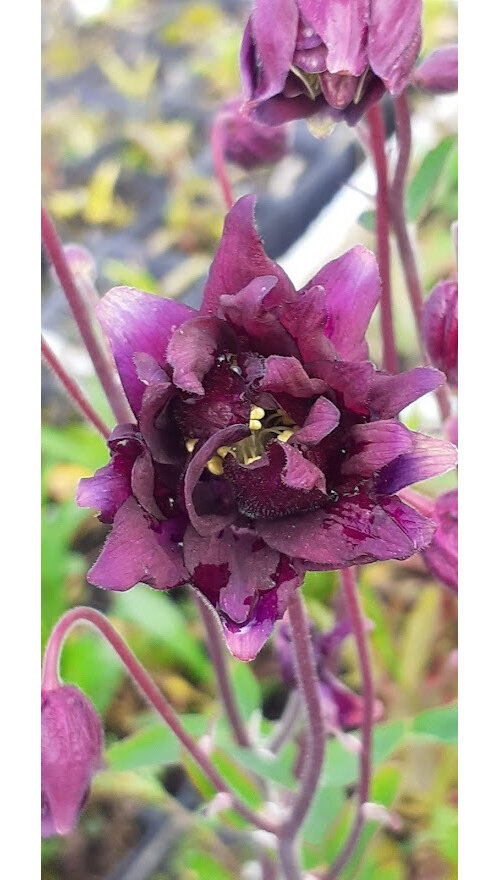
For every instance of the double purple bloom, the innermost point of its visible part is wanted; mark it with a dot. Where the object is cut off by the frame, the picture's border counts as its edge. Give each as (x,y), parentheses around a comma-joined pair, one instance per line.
(265,443)
(301,57)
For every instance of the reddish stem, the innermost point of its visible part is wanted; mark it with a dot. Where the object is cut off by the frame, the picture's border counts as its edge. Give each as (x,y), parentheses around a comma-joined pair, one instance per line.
(376,125)
(218,656)
(106,373)
(219,159)
(73,390)
(401,231)
(50,680)
(359,630)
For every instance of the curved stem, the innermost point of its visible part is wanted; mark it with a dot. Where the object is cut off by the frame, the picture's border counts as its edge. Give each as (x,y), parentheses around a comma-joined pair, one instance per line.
(286,724)
(50,680)
(219,159)
(219,660)
(376,125)
(106,373)
(305,668)
(73,390)
(401,231)
(289,862)
(359,631)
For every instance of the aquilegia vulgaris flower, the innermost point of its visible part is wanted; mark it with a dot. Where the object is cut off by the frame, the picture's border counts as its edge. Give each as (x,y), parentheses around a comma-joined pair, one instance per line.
(301,57)
(265,442)
(72,752)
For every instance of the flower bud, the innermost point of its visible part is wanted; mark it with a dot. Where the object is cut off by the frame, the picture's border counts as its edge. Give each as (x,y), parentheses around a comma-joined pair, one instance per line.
(440,329)
(441,556)
(438,73)
(250,143)
(72,745)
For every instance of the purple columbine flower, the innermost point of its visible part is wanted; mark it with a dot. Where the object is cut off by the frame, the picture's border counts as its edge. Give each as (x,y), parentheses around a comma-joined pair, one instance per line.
(72,748)
(265,443)
(248,142)
(441,556)
(440,328)
(301,57)
(342,709)
(438,72)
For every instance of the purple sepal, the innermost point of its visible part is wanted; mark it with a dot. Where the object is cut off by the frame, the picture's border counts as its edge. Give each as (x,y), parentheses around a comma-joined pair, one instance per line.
(438,72)
(441,556)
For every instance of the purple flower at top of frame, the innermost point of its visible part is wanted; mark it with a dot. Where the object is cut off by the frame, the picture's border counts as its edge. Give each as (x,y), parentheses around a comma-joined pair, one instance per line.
(72,752)
(301,57)
(264,444)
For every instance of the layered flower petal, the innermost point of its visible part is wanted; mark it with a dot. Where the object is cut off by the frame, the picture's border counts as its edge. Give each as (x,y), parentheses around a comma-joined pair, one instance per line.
(389,394)
(134,321)
(210,523)
(352,290)
(248,311)
(193,348)
(441,556)
(322,419)
(428,457)
(286,375)
(274,27)
(440,328)
(107,489)
(375,445)
(342,27)
(354,531)
(240,258)
(438,72)
(139,549)
(394,40)
(247,142)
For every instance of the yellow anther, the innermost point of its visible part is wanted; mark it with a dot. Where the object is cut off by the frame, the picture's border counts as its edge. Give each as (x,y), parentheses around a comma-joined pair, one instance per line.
(191,443)
(252,459)
(215,466)
(223,451)
(257,412)
(255,425)
(285,436)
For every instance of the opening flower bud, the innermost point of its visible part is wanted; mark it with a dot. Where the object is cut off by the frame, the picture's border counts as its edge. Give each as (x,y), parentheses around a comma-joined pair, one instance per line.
(72,746)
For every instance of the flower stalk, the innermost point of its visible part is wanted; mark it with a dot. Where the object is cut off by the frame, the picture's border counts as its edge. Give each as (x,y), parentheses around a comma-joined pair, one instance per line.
(80,308)
(73,390)
(376,126)
(353,604)
(219,159)
(51,680)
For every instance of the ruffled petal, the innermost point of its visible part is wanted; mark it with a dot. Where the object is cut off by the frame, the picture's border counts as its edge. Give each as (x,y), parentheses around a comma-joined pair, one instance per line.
(134,321)
(441,555)
(136,552)
(323,418)
(286,375)
(438,72)
(209,523)
(107,489)
(375,445)
(389,394)
(342,27)
(248,311)
(354,531)
(428,457)
(394,40)
(280,109)
(193,348)
(352,290)
(240,258)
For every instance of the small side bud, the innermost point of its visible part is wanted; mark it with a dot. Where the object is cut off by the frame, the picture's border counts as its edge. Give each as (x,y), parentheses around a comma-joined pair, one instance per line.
(440,329)
(221,802)
(72,753)
(378,813)
(247,142)
(438,73)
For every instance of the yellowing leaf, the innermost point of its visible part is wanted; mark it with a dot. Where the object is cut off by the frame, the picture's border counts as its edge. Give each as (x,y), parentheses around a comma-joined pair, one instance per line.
(193,20)
(62,479)
(133,82)
(102,206)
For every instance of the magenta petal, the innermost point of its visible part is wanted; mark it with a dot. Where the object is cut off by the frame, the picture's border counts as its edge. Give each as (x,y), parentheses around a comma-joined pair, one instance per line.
(323,418)
(286,375)
(441,555)
(375,445)
(389,394)
(247,311)
(440,329)
(240,258)
(274,26)
(280,109)
(106,490)
(299,473)
(342,26)
(438,73)
(209,524)
(136,552)
(193,348)
(427,458)
(394,40)
(143,484)
(160,439)
(352,290)
(134,321)
(354,531)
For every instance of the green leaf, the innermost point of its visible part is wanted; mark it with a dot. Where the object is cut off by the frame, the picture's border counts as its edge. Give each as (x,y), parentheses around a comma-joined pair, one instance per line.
(236,778)
(59,524)
(341,766)
(203,866)
(246,689)
(367,220)
(277,768)
(76,444)
(440,724)
(90,663)
(161,618)
(154,746)
(423,186)
(324,810)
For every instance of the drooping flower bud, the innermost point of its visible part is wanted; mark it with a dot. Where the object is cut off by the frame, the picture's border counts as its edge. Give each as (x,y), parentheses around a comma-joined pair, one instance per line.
(248,142)
(440,329)
(438,73)
(441,556)
(72,745)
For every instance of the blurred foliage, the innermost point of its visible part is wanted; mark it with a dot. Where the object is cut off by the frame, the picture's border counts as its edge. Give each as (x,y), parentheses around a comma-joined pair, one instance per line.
(124,121)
